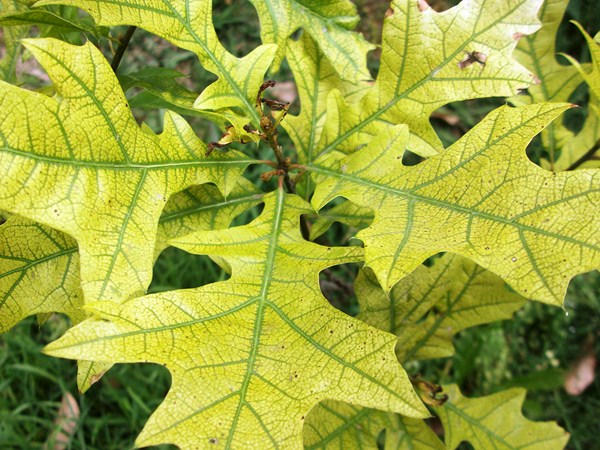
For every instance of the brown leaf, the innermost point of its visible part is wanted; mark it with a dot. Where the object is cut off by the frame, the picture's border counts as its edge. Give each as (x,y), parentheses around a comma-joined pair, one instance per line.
(65,424)
(582,371)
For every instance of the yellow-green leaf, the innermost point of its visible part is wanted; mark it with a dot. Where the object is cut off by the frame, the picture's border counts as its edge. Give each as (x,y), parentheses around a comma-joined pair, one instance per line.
(495,421)
(592,77)
(336,425)
(80,163)
(39,273)
(39,266)
(315,78)
(189,25)
(249,356)
(348,213)
(430,305)
(162,91)
(203,207)
(340,425)
(328,22)
(482,198)
(420,70)
(557,82)
(11,36)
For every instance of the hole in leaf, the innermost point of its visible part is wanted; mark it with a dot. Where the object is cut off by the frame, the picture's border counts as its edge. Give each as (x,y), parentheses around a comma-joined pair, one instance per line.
(571,41)
(442,5)
(336,225)
(337,285)
(247,216)
(237,26)
(436,426)
(455,119)
(411,159)
(148,51)
(381,439)
(122,401)
(177,269)
(371,26)
(153,60)
(429,262)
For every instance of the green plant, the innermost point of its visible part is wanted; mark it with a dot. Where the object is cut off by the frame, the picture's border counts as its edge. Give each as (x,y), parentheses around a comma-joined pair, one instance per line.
(92,199)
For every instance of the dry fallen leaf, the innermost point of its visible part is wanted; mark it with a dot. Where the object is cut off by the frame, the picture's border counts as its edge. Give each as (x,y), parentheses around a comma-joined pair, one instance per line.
(582,372)
(65,424)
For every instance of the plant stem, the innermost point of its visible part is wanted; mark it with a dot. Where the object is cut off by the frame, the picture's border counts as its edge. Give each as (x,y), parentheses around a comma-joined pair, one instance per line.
(586,157)
(121,48)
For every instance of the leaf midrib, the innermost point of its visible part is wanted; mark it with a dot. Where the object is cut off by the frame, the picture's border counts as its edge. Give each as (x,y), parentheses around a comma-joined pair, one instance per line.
(182,213)
(347,423)
(260,311)
(450,304)
(90,95)
(30,263)
(150,166)
(411,197)
(476,421)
